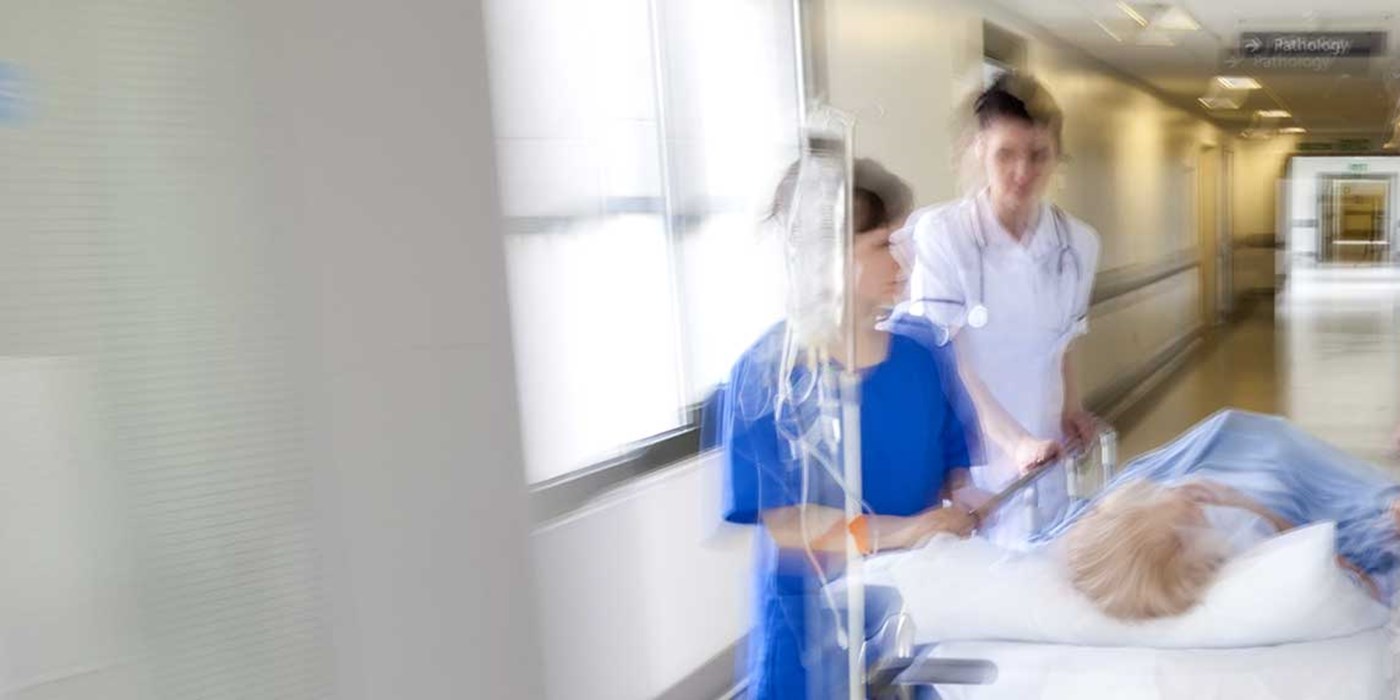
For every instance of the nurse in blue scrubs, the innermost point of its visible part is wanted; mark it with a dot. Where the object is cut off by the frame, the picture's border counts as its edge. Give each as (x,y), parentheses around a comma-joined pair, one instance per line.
(915,450)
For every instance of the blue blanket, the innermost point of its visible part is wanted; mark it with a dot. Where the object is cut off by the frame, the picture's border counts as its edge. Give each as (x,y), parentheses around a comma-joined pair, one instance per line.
(1286,470)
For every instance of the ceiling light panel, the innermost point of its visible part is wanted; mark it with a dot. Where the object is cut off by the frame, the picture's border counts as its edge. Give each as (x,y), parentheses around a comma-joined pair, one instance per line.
(1132,12)
(1238,82)
(1219,102)
(1175,19)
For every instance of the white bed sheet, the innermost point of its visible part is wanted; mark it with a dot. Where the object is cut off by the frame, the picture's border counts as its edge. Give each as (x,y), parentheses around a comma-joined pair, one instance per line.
(1357,667)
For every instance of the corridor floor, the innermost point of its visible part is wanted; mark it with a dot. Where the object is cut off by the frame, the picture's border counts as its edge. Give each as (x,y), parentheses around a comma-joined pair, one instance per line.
(1326,354)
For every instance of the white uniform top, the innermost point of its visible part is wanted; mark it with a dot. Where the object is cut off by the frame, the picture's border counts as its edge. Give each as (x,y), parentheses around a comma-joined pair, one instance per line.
(1036,295)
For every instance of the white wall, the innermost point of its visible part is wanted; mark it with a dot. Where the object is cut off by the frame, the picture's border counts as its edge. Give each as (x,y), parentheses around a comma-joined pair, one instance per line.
(379,138)
(1259,170)
(66,600)
(1257,212)
(641,589)
(1130,328)
(1302,192)
(874,48)
(142,284)
(67,595)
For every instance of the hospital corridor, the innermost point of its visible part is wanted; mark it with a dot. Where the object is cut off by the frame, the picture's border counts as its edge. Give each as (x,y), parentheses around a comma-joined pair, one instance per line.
(699,350)
(1324,354)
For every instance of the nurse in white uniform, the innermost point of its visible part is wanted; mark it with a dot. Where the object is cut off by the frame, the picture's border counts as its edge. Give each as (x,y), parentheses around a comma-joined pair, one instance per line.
(1009,278)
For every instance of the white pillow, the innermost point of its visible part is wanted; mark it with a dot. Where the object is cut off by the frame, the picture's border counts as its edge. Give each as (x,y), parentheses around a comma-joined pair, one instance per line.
(1285,589)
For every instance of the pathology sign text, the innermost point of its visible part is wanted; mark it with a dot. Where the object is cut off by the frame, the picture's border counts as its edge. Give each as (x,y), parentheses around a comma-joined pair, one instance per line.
(1316,44)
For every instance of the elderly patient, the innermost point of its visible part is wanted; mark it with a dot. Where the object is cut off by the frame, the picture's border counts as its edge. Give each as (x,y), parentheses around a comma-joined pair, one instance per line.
(1151,545)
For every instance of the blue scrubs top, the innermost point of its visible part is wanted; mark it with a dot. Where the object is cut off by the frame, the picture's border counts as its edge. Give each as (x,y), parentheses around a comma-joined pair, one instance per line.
(916,423)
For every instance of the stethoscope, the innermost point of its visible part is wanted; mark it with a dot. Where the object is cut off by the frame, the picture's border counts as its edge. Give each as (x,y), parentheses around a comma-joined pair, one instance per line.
(977,313)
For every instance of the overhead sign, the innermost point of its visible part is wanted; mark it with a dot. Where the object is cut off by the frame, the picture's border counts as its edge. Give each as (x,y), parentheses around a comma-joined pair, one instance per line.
(1358,167)
(1320,44)
(1233,61)
(1304,52)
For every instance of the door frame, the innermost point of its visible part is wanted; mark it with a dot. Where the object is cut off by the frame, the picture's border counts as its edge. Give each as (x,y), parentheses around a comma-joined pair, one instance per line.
(1327,214)
(1225,238)
(1210,162)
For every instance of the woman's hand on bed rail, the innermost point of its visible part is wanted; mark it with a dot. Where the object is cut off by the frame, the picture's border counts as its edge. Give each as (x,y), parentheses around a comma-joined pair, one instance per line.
(1080,429)
(963,492)
(1032,453)
(881,533)
(904,533)
(970,498)
(952,520)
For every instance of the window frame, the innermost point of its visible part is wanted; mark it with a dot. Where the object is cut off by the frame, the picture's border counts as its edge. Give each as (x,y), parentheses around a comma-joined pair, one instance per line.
(566,493)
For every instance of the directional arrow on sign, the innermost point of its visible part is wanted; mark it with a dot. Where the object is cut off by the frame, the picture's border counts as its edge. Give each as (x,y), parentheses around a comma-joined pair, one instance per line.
(1253,44)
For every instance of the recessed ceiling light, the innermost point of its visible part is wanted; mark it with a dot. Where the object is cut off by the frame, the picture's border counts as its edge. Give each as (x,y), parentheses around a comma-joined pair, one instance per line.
(1293,130)
(1238,82)
(1175,19)
(1108,31)
(1274,113)
(1219,103)
(1153,37)
(1131,12)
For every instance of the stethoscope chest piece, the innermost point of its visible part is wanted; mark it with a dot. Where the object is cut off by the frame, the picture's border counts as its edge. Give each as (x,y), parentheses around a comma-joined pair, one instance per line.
(977,316)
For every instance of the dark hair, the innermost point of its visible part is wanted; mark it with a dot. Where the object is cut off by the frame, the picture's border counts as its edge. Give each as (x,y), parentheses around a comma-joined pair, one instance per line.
(868,210)
(879,197)
(1021,98)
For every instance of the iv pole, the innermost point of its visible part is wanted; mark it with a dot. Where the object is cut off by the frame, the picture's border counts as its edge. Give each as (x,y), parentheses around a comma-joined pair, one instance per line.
(850,435)
(822,321)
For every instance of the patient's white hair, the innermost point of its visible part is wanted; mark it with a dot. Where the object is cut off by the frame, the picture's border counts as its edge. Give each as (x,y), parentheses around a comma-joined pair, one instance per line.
(1142,553)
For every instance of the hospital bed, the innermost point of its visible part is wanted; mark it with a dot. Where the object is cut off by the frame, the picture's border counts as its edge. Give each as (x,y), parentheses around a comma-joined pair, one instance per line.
(1356,665)
(896,667)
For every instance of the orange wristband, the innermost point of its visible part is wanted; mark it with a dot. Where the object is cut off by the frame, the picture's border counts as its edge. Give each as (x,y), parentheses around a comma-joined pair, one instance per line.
(860,530)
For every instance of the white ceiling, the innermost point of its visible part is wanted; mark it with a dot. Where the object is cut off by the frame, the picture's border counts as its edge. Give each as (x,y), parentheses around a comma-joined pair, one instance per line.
(1357,99)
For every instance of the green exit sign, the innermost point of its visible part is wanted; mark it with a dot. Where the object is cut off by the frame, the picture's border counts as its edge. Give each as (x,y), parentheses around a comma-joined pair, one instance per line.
(1358,167)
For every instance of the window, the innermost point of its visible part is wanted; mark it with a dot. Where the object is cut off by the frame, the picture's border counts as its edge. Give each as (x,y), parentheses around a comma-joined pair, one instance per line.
(637,143)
